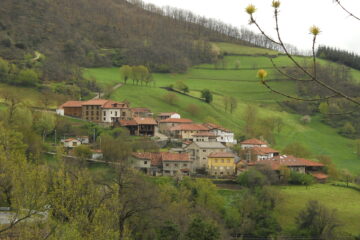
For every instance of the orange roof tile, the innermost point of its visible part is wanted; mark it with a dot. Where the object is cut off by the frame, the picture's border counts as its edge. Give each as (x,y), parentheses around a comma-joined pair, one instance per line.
(189,127)
(212,126)
(71,104)
(97,102)
(254,141)
(291,161)
(176,120)
(264,150)
(112,104)
(319,175)
(166,156)
(221,155)
(145,121)
(157,158)
(128,123)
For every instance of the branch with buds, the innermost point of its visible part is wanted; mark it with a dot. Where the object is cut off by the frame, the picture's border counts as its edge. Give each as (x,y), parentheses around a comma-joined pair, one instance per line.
(311,76)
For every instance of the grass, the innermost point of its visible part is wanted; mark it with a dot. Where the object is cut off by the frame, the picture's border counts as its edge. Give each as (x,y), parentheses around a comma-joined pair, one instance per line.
(344,200)
(246,88)
(231,48)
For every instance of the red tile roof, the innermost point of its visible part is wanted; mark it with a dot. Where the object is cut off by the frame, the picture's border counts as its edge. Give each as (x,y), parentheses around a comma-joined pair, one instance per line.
(289,161)
(189,127)
(264,150)
(166,156)
(212,126)
(145,121)
(97,102)
(112,104)
(128,123)
(176,120)
(154,158)
(71,104)
(254,141)
(319,175)
(221,155)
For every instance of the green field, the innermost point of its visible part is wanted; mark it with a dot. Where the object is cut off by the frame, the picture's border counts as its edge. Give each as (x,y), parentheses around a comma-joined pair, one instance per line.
(242,84)
(231,48)
(344,200)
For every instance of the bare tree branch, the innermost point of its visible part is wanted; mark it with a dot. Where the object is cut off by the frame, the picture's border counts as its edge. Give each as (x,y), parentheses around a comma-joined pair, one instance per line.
(346,10)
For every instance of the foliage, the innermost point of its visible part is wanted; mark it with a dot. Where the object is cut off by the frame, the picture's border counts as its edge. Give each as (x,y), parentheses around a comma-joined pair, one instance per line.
(201,230)
(349,59)
(317,221)
(297,149)
(297,178)
(181,86)
(252,179)
(171,98)
(207,95)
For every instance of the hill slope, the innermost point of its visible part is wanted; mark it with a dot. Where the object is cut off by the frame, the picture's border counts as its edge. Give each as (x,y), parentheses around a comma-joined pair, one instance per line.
(246,88)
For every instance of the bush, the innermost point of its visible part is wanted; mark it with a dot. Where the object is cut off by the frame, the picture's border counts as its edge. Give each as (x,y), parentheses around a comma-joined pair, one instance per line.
(297,178)
(252,178)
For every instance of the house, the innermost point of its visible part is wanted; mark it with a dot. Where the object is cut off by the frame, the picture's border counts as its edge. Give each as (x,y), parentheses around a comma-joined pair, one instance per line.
(166,124)
(223,135)
(199,152)
(114,111)
(83,139)
(71,142)
(250,143)
(221,164)
(96,110)
(140,112)
(96,154)
(186,131)
(140,126)
(148,163)
(163,116)
(71,108)
(175,164)
(166,163)
(258,153)
(300,165)
(204,137)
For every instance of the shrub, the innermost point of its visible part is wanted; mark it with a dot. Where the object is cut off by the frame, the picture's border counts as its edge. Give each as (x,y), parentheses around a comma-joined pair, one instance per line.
(297,178)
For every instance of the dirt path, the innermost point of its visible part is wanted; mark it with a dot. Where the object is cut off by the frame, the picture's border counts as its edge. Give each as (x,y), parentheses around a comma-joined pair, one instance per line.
(100,95)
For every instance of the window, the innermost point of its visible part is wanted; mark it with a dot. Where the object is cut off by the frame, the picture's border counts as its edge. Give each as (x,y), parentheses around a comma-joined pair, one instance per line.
(167,164)
(175,164)
(111,112)
(87,112)
(228,161)
(204,158)
(104,113)
(116,114)
(104,119)
(145,162)
(204,150)
(185,165)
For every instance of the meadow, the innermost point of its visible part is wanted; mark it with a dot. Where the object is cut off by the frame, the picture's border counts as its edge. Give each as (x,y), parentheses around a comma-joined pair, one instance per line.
(246,88)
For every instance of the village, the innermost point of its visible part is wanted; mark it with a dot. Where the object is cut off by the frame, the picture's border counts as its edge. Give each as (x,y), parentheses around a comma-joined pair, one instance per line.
(203,149)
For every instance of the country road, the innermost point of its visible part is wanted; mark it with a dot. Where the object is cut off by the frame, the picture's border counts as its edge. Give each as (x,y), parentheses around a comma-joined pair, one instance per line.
(100,95)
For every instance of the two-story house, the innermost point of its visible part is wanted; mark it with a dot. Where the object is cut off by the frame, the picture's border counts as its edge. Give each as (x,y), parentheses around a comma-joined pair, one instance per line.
(221,164)
(186,131)
(175,164)
(223,135)
(166,124)
(199,152)
(251,143)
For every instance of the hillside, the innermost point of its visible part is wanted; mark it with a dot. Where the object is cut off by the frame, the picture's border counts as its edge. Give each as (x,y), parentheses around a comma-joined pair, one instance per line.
(245,87)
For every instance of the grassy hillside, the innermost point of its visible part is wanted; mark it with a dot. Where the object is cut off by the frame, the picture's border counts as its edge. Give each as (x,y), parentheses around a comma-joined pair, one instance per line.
(295,199)
(242,84)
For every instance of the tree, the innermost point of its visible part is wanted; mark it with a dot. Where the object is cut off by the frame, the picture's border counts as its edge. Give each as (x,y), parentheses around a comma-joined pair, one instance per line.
(330,167)
(82,152)
(4,70)
(250,119)
(297,149)
(207,95)
(317,221)
(126,72)
(357,147)
(233,104)
(169,231)
(44,124)
(171,98)
(252,179)
(181,86)
(27,77)
(202,230)
(226,101)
